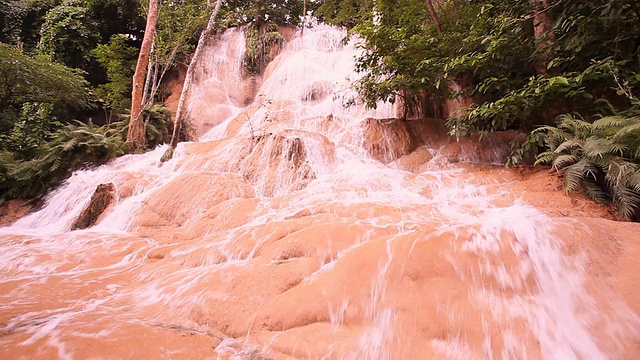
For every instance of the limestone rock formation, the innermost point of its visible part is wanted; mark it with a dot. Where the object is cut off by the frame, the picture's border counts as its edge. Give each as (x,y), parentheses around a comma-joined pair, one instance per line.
(12,210)
(386,139)
(407,143)
(189,195)
(100,200)
(413,162)
(494,148)
(281,163)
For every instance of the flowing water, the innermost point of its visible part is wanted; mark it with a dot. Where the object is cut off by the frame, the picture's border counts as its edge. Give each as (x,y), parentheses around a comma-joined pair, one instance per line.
(292,231)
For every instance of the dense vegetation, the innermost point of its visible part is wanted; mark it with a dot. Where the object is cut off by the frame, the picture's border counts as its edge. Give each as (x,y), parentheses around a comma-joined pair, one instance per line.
(485,65)
(517,65)
(66,69)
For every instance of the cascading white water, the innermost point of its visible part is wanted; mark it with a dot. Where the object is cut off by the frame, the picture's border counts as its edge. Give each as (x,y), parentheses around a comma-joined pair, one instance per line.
(281,235)
(217,93)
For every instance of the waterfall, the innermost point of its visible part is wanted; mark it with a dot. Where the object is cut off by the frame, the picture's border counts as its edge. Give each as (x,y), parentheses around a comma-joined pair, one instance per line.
(304,225)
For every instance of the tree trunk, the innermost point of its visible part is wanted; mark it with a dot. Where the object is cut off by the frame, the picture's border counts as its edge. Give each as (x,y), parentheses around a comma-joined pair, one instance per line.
(136,133)
(304,16)
(180,112)
(434,17)
(543,34)
(147,83)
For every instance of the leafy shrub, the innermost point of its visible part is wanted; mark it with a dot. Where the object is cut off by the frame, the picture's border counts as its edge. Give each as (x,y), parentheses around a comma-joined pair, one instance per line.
(118,58)
(72,147)
(602,158)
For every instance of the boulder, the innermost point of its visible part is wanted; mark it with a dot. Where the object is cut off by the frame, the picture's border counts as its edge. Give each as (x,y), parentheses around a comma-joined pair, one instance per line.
(431,132)
(386,139)
(413,162)
(100,200)
(494,148)
(281,163)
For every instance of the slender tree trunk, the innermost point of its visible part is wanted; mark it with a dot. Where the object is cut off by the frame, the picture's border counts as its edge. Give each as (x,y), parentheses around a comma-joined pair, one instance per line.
(161,70)
(135,134)
(147,82)
(304,16)
(180,112)
(543,34)
(434,17)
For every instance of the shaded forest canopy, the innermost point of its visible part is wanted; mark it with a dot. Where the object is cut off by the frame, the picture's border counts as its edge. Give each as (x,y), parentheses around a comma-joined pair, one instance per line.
(566,71)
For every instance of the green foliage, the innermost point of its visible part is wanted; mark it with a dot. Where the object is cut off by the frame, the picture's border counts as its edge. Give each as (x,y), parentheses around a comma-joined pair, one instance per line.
(488,52)
(116,17)
(70,148)
(405,56)
(158,126)
(31,127)
(602,158)
(119,59)
(179,26)
(21,20)
(258,45)
(68,34)
(281,12)
(25,79)
(346,13)
(402,52)
(33,93)
(11,14)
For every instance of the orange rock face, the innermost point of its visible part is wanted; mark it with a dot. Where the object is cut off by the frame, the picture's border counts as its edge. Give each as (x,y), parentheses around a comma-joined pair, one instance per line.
(13,210)
(386,140)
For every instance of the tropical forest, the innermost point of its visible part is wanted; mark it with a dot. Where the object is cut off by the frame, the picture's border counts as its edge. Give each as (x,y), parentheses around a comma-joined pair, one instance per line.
(320,179)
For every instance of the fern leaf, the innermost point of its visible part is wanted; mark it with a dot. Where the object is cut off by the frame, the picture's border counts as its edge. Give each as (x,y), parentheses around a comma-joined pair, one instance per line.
(629,130)
(573,177)
(610,121)
(595,192)
(563,161)
(618,148)
(627,200)
(596,147)
(546,157)
(568,145)
(575,174)
(634,181)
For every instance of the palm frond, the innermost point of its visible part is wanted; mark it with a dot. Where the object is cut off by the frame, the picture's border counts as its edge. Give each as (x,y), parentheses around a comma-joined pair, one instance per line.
(565,160)
(595,192)
(546,157)
(575,174)
(634,181)
(633,129)
(569,144)
(610,121)
(596,147)
(626,199)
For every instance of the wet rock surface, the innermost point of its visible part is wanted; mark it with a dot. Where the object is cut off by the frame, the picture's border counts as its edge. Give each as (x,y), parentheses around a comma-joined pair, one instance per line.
(386,139)
(13,210)
(100,201)
(278,163)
